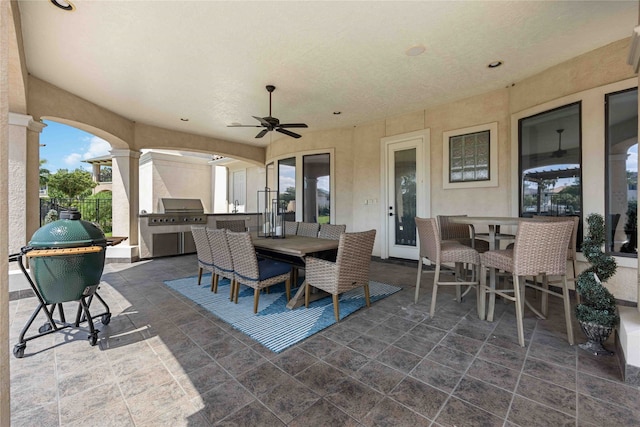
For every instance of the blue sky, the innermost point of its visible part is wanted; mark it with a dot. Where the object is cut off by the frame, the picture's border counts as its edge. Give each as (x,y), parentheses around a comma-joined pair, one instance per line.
(66,147)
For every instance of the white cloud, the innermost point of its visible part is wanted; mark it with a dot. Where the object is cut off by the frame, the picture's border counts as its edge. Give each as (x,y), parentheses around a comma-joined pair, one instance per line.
(72,159)
(632,159)
(97,147)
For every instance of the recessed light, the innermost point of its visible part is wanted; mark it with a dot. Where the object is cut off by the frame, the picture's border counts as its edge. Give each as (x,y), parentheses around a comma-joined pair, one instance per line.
(415,50)
(494,64)
(337,113)
(63,4)
(184,119)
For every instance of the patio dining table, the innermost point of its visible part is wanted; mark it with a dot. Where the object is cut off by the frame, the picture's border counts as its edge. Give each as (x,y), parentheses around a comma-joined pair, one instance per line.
(493,222)
(294,250)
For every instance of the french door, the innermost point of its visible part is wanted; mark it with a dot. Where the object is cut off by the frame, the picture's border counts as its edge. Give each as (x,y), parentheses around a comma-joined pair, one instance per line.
(406,193)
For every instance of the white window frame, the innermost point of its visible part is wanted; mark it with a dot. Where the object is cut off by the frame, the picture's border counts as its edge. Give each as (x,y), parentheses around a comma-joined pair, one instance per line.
(493,157)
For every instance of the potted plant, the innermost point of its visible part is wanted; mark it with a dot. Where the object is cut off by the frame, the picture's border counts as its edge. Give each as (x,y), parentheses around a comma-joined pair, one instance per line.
(597,312)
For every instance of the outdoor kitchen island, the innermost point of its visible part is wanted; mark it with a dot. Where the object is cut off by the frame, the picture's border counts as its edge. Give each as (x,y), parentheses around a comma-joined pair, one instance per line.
(168,233)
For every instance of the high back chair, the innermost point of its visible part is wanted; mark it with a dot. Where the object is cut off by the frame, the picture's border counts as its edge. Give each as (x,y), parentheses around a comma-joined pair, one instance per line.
(463,233)
(540,249)
(204,254)
(309,229)
(250,272)
(440,251)
(223,263)
(573,242)
(237,225)
(290,228)
(350,271)
(331,231)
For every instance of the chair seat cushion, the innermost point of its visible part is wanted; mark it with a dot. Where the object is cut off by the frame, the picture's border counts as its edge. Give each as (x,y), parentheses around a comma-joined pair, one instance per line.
(269,268)
(501,259)
(454,251)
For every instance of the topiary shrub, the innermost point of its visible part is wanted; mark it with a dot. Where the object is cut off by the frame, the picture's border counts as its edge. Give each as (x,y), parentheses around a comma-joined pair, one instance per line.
(598,304)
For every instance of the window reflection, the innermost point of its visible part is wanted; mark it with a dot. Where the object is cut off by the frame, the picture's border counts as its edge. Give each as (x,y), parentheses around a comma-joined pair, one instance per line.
(550,163)
(317,194)
(287,188)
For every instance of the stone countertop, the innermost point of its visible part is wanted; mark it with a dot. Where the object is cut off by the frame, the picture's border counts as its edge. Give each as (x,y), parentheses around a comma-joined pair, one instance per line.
(143,215)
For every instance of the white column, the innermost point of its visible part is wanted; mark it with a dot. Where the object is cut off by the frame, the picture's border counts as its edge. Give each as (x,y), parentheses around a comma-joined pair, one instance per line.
(125,194)
(22,202)
(5,406)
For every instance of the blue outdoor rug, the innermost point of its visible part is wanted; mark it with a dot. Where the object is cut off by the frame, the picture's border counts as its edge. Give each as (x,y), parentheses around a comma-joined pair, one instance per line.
(274,326)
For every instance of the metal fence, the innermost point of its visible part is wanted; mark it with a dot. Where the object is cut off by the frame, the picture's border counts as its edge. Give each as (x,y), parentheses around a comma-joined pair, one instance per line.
(97,211)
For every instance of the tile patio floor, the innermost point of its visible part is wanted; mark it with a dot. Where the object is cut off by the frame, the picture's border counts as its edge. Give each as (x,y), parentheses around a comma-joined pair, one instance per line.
(164,362)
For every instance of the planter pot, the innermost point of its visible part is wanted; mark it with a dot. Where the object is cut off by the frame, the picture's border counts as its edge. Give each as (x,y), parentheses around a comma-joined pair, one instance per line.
(597,335)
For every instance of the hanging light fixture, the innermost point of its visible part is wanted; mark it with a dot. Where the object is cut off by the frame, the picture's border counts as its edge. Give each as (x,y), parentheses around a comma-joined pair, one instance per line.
(559,152)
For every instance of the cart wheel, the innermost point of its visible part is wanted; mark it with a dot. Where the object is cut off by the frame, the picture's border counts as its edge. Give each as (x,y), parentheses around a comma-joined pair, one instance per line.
(106,318)
(93,339)
(44,328)
(18,350)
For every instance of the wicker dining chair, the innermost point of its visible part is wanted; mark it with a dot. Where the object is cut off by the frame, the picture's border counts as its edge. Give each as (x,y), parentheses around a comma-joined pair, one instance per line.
(349,271)
(540,249)
(331,231)
(572,257)
(237,225)
(204,254)
(463,233)
(223,262)
(309,229)
(290,228)
(254,274)
(440,251)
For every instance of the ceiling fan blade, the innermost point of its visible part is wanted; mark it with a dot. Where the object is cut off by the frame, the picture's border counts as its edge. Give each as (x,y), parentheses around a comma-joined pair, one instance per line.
(262,133)
(293,125)
(286,132)
(244,126)
(261,120)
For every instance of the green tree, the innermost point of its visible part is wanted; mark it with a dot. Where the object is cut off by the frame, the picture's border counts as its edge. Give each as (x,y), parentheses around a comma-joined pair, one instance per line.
(287,196)
(72,185)
(97,208)
(44,173)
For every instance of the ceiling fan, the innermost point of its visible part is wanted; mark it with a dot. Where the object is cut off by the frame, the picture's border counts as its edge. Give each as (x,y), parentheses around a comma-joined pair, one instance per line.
(559,152)
(271,123)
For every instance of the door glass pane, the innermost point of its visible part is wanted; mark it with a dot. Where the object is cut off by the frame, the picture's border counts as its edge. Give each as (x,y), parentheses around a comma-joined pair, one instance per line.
(551,164)
(622,173)
(405,197)
(287,188)
(316,171)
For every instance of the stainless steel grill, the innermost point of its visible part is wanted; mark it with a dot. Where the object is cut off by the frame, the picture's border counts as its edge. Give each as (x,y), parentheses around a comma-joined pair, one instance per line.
(168,232)
(178,211)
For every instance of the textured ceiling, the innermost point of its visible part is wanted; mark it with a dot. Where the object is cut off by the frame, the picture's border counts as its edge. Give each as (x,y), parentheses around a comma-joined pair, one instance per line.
(209,61)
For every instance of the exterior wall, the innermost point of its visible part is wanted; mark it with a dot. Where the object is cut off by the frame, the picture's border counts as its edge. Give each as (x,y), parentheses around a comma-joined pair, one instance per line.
(256,180)
(483,109)
(174,177)
(219,180)
(5,354)
(358,161)
(340,142)
(145,179)
(17,181)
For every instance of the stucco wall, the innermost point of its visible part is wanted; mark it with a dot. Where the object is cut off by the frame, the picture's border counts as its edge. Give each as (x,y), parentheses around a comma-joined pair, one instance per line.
(358,162)
(483,109)
(174,177)
(17,183)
